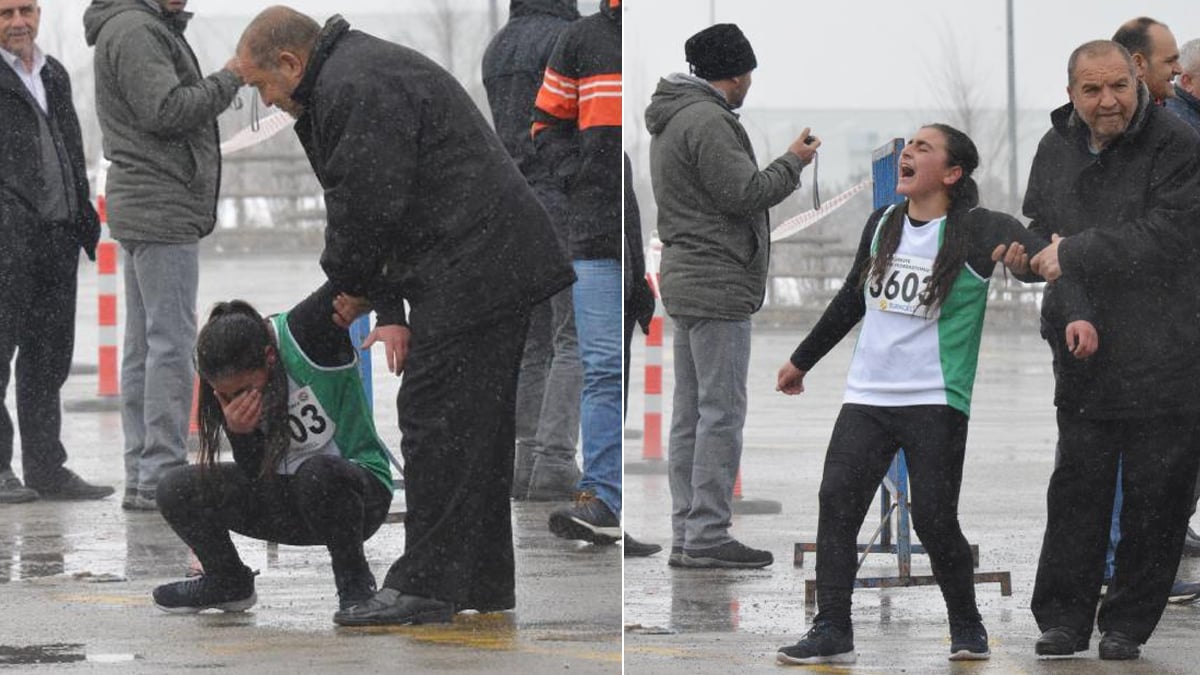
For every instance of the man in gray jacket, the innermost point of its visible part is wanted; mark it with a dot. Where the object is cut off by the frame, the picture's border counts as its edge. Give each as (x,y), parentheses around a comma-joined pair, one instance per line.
(712,218)
(159,117)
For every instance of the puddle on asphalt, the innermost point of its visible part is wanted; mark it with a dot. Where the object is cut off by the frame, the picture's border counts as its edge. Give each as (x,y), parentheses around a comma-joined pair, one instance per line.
(34,550)
(58,652)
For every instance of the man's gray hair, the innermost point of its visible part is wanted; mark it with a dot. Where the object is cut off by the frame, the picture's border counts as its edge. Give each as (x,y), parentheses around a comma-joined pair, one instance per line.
(1098,48)
(1189,57)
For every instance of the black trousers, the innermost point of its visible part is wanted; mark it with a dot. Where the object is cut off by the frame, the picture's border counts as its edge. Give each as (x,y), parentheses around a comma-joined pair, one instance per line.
(865,439)
(456,410)
(329,502)
(1159,462)
(38,275)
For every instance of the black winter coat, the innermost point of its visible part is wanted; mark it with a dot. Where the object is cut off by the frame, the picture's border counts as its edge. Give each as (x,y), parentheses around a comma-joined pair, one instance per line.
(423,202)
(1131,218)
(20,155)
(639,298)
(512,73)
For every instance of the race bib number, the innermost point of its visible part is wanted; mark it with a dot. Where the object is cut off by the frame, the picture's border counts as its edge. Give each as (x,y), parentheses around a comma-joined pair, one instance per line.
(310,426)
(901,288)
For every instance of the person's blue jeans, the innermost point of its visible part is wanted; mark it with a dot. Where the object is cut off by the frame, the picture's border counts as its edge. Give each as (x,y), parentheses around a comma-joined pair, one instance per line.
(597,296)
(1114,531)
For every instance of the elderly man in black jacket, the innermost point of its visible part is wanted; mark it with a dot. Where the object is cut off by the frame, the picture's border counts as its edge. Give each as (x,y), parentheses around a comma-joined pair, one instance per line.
(45,219)
(424,207)
(1117,182)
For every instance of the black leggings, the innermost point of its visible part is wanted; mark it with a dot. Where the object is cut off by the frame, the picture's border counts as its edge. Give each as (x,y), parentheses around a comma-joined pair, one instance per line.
(329,501)
(865,439)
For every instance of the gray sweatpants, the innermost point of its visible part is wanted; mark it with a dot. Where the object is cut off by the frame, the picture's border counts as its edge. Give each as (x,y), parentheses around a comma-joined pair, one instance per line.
(157,375)
(712,359)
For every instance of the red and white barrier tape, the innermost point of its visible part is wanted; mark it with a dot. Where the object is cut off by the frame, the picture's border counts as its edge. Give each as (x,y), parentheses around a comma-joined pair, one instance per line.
(805,220)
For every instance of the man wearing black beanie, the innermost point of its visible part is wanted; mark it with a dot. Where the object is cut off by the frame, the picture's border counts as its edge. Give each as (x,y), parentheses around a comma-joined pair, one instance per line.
(712,218)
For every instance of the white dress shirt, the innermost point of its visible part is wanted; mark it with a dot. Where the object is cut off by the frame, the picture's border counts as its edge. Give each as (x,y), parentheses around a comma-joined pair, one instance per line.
(32,79)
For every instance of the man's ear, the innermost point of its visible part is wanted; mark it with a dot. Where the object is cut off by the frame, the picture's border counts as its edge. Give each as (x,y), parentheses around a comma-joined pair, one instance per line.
(291,64)
(1139,60)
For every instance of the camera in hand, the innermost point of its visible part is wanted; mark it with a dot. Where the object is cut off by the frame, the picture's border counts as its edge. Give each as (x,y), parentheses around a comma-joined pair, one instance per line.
(808,140)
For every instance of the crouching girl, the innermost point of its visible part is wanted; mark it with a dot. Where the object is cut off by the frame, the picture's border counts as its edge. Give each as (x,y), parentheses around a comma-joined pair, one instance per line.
(308,467)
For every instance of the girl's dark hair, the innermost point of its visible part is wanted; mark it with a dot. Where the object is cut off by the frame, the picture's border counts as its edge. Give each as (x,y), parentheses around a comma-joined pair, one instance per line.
(964,196)
(234,340)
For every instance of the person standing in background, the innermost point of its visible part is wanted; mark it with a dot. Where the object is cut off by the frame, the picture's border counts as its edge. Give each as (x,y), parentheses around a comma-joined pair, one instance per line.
(551,377)
(158,113)
(578,115)
(713,220)
(45,219)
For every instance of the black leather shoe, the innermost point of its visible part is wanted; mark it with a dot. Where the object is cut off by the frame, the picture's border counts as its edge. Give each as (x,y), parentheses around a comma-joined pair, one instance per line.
(391,608)
(1117,646)
(66,485)
(638,549)
(1060,641)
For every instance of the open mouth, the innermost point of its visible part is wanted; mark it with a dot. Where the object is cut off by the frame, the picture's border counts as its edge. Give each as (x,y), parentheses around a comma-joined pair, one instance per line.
(907,171)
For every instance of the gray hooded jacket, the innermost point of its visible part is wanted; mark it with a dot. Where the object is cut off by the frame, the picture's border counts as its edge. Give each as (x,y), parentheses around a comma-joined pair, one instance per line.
(712,202)
(158,114)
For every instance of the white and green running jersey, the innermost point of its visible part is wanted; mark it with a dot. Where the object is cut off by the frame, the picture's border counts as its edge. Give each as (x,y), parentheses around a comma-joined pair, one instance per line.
(907,354)
(328,412)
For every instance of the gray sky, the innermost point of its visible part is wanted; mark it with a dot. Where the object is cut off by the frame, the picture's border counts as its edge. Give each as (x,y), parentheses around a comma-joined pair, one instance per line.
(877,54)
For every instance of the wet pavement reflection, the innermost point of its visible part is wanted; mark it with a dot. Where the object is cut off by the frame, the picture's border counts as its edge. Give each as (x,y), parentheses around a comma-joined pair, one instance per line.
(722,621)
(77,576)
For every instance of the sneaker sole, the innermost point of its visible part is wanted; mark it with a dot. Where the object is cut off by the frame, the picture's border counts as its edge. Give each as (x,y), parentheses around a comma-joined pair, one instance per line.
(843,658)
(968,655)
(717,563)
(23,499)
(574,528)
(232,606)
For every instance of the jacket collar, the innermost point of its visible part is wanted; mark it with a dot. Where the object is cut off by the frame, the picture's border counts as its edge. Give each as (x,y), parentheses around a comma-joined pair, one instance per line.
(611,9)
(176,21)
(335,28)
(1191,101)
(39,59)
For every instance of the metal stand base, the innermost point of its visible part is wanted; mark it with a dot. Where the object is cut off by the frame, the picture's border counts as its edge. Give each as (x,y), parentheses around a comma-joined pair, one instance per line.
(893,499)
(1002,578)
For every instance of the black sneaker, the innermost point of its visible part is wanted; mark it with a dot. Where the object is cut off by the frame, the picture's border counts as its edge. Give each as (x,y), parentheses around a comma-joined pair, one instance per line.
(732,553)
(12,491)
(676,557)
(140,500)
(353,589)
(230,593)
(969,641)
(823,643)
(1183,592)
(588,519)
(1060,641)
(1117,646)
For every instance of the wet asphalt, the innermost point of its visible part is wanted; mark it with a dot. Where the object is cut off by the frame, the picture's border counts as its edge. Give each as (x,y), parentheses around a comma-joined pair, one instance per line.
(76,577)
(718,621)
